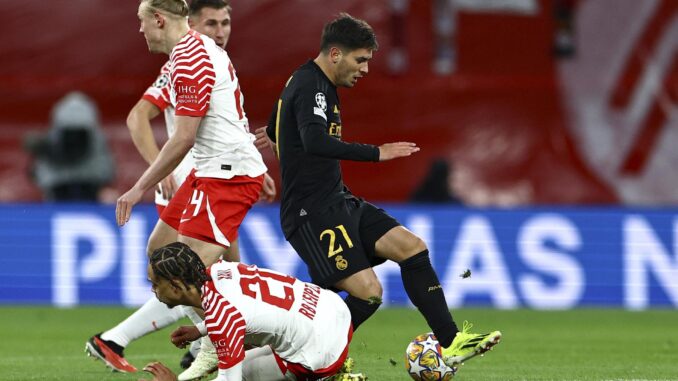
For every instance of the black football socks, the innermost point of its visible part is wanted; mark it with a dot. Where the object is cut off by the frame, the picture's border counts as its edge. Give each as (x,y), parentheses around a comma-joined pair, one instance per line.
(361,310)
(426,293)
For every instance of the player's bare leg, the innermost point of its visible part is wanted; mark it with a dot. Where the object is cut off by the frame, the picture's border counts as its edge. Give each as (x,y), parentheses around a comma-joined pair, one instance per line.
(209,252)
(162,235)
(364,284)
(233,252)
(364,297)
(399,244)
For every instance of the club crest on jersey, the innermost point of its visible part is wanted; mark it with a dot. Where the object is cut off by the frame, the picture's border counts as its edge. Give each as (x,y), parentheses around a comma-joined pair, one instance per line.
(342,263)
(161,81)
(224,274)
(321,105)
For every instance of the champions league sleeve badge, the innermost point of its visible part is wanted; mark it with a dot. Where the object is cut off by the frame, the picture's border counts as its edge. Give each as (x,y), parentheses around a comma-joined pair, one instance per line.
(321,105)
(161,81)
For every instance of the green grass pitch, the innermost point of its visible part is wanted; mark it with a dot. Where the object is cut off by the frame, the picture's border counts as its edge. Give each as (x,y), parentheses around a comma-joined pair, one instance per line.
(41,343)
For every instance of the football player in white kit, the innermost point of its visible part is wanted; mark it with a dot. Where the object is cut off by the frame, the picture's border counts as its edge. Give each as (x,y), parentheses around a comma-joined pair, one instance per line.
(298,331)
(213,18)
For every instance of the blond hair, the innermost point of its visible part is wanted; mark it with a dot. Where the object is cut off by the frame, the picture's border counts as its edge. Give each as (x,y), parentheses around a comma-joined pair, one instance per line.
(177,8)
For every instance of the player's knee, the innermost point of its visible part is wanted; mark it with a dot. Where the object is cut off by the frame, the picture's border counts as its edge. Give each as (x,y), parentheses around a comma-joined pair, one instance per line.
(371,288)
(363,287)
(417,245)
(412,247)
(232,253)
(151,247)
(155,241)
(209,258)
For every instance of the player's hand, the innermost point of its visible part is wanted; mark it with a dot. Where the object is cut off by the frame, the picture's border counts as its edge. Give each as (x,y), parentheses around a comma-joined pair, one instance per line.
(183,335)
(262,140)
(160,372)
(268,191)
(168,186)
(123,208)
(390,151)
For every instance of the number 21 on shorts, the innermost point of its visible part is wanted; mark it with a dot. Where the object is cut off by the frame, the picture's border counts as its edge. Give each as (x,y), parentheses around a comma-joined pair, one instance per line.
(334,250)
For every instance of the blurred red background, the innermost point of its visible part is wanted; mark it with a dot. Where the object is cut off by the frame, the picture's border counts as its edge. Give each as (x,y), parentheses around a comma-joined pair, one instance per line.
(501,117)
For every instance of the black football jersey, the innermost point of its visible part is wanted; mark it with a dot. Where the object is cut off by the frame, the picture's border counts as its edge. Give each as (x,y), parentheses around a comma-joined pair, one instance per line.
(306,126)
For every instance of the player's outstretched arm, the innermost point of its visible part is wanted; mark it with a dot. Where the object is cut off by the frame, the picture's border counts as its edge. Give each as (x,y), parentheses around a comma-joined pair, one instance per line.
(169,157)
(139,125)
(391,151)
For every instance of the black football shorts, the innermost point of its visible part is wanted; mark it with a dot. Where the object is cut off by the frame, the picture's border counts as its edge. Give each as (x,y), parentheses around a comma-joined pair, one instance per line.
(339,241)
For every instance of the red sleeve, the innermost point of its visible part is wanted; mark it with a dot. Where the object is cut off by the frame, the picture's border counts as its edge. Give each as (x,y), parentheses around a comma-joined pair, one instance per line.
(225,327)
(192,78)
(158,102)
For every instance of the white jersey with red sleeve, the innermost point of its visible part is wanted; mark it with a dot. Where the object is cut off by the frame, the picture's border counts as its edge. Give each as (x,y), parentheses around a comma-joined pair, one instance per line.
(159,92)
(204,84)
(302,322)
(159,95)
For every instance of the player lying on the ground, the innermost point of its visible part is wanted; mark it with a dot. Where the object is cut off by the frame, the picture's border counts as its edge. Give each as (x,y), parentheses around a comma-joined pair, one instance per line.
(299,330)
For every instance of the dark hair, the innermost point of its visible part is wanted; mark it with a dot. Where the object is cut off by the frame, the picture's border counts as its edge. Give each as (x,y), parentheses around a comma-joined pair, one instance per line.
(178,261)
(348,33)
(197,5)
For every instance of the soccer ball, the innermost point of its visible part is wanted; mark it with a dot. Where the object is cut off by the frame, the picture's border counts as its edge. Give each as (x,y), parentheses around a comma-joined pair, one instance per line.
(424,360)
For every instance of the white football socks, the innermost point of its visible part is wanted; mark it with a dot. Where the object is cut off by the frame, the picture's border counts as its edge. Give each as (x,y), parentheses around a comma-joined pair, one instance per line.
(152,316)
(190,313)
(206,344)
(194,348)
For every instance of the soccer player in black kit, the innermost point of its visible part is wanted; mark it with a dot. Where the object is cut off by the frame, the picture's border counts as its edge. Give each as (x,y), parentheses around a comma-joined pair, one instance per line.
(339,236)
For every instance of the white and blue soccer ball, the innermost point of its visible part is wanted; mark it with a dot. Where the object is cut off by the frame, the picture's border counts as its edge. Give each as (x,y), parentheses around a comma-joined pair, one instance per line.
(424,360)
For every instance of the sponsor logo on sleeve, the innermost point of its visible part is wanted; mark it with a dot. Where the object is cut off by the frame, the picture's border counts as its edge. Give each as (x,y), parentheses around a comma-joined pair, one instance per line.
(187,93)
